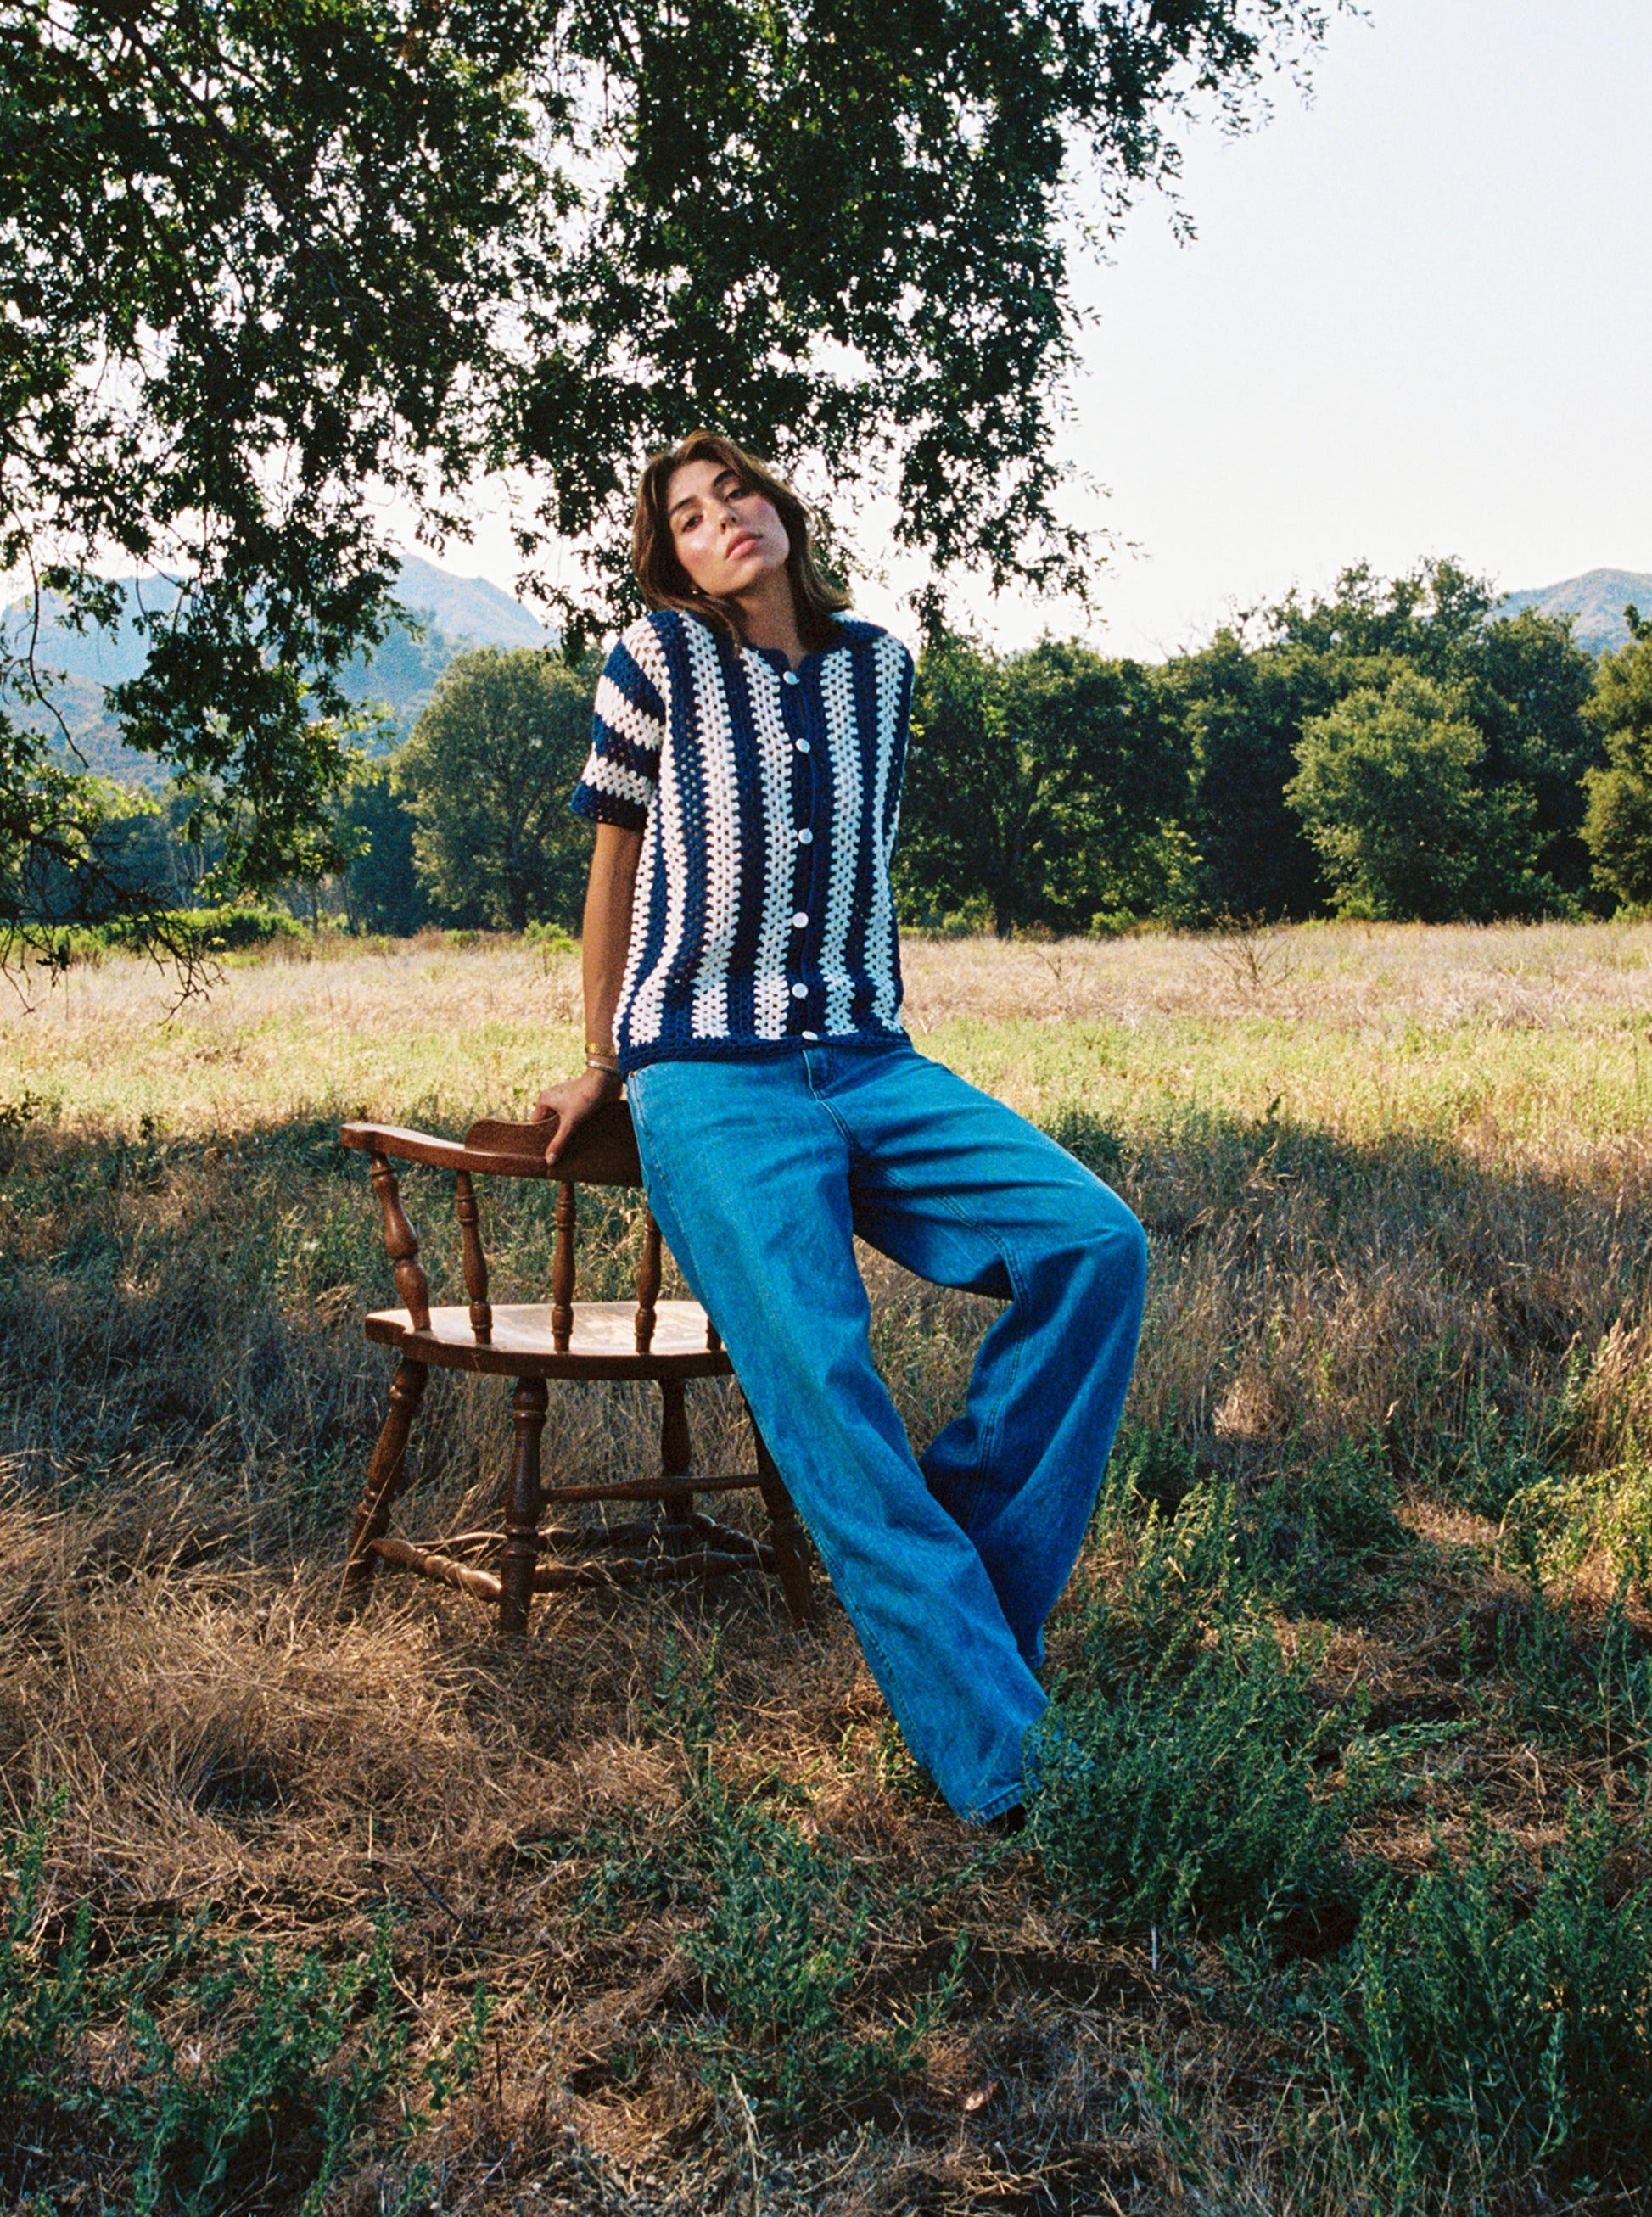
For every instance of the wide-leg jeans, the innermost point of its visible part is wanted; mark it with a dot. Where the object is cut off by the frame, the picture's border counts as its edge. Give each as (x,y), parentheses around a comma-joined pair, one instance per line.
(760,1171)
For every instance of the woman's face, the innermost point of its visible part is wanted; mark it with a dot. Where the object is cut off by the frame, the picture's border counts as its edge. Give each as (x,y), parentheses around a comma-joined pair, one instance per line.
(728,537)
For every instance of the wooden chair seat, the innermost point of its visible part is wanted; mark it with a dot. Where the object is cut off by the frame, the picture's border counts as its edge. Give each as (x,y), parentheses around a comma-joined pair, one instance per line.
(540,1344)
(601,1342)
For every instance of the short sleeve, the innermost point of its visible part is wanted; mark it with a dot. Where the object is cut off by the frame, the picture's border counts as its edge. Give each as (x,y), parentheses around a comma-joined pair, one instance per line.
(628,728)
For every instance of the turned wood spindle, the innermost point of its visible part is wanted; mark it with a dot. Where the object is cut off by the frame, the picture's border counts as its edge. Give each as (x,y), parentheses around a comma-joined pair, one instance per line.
(562,1271)
(401,1244)
(788,1533)
(387,1473)
(648,1273)
(675,1456)
(470,1233)
(520,1555)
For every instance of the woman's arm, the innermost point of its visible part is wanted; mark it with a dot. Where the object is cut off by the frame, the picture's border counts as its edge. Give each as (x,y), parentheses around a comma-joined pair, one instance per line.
(609,895)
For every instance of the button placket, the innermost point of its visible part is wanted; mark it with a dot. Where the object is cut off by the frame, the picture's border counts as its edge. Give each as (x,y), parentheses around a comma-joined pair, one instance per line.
(797,704)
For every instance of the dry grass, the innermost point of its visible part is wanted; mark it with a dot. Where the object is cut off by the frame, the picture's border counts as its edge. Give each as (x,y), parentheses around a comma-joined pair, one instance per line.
(1400,1195)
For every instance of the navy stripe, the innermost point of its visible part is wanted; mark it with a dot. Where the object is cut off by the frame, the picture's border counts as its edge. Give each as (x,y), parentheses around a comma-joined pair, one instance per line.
(622,672)
(677,1011)
(614,746)
(742,956)
(599,807)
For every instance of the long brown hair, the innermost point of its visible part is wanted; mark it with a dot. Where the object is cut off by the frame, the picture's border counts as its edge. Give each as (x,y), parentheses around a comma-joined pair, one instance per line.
(666,584)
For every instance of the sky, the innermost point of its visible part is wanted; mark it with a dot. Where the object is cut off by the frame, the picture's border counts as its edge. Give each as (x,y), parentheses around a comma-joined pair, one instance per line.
(1416,320)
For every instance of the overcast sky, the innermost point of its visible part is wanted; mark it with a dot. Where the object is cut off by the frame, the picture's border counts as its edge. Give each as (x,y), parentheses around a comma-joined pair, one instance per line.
(1417,319)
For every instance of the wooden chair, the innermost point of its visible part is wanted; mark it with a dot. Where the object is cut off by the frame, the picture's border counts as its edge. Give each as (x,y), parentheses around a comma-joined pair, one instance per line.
(537,1344)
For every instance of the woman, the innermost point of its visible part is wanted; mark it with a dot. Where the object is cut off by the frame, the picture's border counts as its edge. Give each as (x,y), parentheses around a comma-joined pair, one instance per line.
(742,977)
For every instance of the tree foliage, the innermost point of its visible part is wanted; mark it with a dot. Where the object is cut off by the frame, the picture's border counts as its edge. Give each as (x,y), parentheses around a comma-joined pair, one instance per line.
(1041,789)
(1618,825)
(383,890)
(259,262)
(1522,683)
(1392,791)
(487,772)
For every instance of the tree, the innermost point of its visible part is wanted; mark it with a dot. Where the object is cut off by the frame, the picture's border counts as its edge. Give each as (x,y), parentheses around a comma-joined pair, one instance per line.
(257,260)
(1041,787)
(1617,828)
(1243,710)
(1391,788)
(381,888)
(488,770)
(1521,682)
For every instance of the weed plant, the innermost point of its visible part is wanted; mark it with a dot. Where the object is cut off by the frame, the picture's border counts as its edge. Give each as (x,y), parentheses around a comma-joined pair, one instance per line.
(1191,1794)
(1573,1680)
(1499,2018)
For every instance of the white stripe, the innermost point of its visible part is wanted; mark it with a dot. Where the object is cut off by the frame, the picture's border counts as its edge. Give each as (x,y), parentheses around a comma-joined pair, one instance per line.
(880,930)
(848,805)
(625,1011)
(720,860)
(647,1015)
(625,717)
(606,776)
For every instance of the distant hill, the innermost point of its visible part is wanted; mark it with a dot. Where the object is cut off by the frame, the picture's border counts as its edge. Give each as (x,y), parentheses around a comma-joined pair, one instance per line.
(457,613)
(1597,599)
(467,609)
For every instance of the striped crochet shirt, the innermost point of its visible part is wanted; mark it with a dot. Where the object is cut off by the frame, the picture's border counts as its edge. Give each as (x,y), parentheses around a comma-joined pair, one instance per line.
(768,799)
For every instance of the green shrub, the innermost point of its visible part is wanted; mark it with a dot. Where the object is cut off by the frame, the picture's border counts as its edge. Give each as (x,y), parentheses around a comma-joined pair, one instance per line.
(1573,1684)
(227,929)
(550,939)
(1180,1554)
(1500,2017)
(1188,1796)
(45,1996)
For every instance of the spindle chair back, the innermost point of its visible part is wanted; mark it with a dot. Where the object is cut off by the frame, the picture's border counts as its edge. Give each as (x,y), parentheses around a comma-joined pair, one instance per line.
(539,1343)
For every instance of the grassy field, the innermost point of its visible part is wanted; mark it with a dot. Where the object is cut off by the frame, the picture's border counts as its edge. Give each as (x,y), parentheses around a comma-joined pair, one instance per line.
(1340,1898)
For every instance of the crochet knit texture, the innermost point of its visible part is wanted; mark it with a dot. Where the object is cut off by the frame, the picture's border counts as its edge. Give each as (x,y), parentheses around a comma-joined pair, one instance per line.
(768,799)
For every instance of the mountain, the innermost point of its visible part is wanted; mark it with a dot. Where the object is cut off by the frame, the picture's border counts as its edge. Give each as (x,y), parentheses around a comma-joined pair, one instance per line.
(1596,599)
(456,613)
(467,609)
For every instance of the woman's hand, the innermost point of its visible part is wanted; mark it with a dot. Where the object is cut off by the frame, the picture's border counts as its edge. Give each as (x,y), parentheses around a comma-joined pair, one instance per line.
(570,1101)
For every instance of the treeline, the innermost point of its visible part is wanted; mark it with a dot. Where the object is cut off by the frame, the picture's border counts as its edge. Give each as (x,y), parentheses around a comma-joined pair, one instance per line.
(1391,751)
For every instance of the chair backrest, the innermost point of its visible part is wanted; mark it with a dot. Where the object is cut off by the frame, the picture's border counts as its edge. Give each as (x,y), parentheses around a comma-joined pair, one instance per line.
(602,1151)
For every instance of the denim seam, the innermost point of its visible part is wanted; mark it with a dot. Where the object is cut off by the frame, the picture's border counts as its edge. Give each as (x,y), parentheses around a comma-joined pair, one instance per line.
(858,1152)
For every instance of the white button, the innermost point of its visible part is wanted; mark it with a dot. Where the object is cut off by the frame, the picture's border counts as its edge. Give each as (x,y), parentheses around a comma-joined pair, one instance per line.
(799,922)
(800,992)
(802,746)
(804,837)
(811,1035)
(791,677)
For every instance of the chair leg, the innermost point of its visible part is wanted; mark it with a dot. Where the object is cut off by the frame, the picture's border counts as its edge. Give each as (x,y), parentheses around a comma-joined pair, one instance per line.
(786,1535)
(521,1506)
(676,1459)
(387,1473)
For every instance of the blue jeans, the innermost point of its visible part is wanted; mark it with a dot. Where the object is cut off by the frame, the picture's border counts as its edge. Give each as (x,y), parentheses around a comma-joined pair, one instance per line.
(760,1172)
